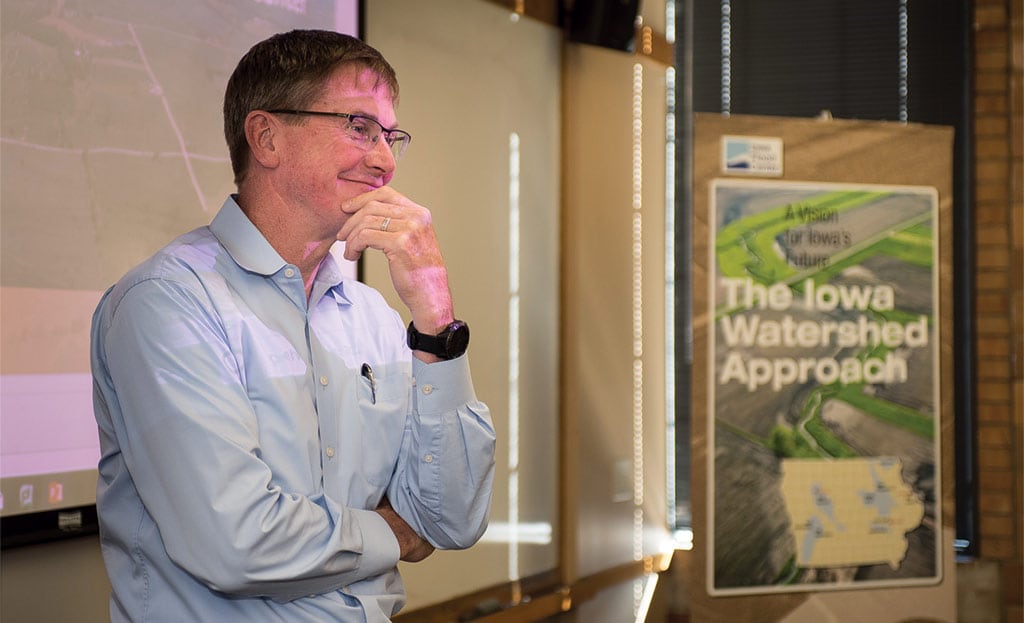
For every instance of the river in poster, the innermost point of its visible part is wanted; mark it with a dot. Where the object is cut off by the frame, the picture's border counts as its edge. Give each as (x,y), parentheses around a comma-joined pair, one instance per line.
(823,397)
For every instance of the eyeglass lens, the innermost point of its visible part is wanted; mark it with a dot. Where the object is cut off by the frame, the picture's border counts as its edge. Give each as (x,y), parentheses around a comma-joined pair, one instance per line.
(367,131)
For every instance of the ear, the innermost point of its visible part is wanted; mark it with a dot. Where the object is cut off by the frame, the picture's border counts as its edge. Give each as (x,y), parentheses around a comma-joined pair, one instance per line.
(260,132)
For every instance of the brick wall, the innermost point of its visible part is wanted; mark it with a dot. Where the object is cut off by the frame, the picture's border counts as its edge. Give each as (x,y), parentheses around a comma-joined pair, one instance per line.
(999,309)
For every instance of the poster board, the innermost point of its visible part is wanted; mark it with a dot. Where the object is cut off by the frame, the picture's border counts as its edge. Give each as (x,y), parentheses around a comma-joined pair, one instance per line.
(822,413)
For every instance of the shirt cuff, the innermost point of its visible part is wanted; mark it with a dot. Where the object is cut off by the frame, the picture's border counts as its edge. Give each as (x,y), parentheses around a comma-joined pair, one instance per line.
(380,546)
(443,385)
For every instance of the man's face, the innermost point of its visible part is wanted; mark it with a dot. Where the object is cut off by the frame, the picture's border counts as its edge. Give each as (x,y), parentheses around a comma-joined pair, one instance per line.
(322,167)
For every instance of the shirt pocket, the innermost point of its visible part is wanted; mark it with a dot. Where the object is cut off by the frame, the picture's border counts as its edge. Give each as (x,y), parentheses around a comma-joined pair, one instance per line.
(384,399)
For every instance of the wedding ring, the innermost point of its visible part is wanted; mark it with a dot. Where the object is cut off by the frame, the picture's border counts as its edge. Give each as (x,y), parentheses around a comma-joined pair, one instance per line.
(384,224)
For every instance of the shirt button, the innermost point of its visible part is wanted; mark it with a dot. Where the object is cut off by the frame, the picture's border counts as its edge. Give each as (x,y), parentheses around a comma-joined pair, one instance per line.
(323,380)
(428,388)
(429,458)
(330,452)
(289,272)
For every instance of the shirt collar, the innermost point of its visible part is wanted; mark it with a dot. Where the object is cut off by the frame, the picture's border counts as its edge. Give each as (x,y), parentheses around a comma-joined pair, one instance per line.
(246,244)
(251,251)
(330,275)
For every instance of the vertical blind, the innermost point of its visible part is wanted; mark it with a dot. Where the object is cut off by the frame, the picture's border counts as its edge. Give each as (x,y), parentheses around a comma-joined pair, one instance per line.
(799,57)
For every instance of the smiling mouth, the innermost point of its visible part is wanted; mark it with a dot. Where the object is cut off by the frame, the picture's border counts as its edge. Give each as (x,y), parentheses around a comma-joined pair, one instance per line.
(369,185)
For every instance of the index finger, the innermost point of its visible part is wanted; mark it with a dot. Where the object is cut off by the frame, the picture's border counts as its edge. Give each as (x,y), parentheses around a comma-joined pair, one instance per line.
(353,205)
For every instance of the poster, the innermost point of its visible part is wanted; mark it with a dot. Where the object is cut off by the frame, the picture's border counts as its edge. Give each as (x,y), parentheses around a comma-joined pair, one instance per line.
(824,394)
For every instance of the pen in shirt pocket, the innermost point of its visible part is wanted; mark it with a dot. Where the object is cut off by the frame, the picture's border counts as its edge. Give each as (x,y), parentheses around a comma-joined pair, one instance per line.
(367,373)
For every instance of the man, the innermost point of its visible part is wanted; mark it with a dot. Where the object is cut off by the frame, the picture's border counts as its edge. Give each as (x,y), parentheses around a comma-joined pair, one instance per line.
(273,438)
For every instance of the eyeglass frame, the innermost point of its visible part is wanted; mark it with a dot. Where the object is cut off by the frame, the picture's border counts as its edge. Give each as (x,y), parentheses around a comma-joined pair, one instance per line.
(386,132)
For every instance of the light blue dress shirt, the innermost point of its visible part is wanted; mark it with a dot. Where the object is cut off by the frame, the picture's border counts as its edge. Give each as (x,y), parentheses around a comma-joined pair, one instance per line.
(243,449)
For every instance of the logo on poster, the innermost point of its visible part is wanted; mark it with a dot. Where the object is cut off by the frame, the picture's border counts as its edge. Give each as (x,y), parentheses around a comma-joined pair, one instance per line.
(752,155)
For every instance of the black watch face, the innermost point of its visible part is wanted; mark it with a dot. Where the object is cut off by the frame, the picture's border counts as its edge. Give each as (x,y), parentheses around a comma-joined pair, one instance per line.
(458,339)
(448,344)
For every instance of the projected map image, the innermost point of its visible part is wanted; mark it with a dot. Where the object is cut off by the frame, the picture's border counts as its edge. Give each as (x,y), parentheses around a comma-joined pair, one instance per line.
(823,393)
(111,144)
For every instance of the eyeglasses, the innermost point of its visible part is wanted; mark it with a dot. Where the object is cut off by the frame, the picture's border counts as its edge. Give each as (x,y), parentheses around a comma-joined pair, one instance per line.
(363,131)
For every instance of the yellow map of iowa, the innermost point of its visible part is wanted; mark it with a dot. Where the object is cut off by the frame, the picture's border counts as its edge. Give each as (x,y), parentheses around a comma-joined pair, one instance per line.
(849,512)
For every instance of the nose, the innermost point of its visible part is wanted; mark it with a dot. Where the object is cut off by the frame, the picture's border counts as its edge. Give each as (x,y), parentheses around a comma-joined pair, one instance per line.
(380,157)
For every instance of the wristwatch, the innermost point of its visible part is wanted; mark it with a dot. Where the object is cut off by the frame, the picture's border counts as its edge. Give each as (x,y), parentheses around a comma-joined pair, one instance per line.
(450,343)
